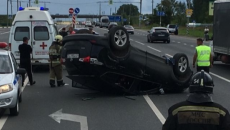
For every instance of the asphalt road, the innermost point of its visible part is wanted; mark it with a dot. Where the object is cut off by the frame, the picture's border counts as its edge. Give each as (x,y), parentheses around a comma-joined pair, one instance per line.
(105,111)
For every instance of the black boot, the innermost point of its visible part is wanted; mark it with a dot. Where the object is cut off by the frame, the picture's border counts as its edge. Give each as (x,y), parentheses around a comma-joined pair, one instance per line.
(52,83)
(60,83)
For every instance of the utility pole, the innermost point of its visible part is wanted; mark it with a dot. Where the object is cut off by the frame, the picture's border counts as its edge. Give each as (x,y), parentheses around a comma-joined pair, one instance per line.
(115,10)
(110,11)
(7,12)
(11,10)
(152,7)
(129,12)
(17,5)
(140,13)
(29,2)
(160,13)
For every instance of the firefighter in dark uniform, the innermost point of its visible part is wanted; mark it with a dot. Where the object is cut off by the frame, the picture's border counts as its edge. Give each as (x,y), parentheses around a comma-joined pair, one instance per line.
(199,112)
(55,63)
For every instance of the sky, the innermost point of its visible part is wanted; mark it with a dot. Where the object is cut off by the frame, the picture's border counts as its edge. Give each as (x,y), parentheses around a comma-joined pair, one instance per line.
(86,6)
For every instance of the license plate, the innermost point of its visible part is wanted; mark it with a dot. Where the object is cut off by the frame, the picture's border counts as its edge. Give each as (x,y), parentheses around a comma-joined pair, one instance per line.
(161,35)
(73,56)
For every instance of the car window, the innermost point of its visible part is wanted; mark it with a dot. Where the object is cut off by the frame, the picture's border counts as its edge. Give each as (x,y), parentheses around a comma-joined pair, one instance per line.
(15,65)
(160,30)
(105,20)
(21,32)
(172,26)
(55,30)
(41,33)
(5,64)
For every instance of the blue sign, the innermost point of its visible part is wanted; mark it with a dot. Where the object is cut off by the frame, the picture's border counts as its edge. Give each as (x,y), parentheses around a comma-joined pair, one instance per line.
(114,18)
(70,15)
(77,10)
(124,20)
(160,13)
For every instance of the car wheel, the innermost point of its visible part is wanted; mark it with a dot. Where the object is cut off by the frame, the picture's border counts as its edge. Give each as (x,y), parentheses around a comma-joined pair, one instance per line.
(20,98)
(181,66)
(168,41)
(119,38)
(15,110)
(100,26)
(133,33)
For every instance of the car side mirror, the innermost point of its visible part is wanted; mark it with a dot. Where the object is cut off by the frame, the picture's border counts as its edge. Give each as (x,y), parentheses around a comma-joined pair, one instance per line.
(21,71)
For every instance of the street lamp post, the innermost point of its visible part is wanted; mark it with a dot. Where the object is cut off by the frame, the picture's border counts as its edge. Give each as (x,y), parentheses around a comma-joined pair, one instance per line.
(160,13)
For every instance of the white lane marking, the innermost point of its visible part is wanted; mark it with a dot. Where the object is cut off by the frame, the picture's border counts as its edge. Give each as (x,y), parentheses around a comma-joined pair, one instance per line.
(227,80)
(154,108)
(5,117)
(153,48)
(178,42)
(191,45)
(185,44)
(5,33)
(3,121)
(168,55)
(140,43)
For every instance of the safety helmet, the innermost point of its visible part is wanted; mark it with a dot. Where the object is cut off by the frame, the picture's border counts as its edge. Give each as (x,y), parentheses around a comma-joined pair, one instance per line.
(201,82)
(58,38)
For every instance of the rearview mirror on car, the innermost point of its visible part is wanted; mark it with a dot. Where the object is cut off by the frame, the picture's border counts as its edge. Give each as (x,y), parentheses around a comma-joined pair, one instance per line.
(21,71)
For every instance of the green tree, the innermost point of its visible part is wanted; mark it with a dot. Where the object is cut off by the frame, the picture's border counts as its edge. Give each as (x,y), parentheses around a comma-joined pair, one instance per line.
(180,14)
(128,9)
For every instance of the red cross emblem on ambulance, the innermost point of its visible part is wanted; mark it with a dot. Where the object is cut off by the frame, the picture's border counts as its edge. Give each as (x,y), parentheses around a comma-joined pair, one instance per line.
(43,45)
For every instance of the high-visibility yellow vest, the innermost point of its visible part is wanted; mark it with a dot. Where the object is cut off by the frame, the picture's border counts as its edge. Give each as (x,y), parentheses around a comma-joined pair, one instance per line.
(203,55)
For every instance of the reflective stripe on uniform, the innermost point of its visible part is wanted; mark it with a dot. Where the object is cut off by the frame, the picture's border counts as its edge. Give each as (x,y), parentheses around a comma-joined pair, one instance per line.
(199,108)
(203,55)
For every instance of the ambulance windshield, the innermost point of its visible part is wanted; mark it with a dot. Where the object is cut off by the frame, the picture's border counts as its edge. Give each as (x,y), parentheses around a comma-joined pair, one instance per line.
(5,64)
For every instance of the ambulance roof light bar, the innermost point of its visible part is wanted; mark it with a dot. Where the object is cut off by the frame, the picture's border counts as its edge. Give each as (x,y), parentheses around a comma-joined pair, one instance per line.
(41,8)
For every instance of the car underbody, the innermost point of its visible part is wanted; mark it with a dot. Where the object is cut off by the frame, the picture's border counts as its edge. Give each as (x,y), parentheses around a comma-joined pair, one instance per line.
(109,63)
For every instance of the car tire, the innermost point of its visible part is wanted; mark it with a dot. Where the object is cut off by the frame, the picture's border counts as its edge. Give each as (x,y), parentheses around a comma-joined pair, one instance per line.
(20,98)
(133,33)
(15,110)
(181,66)
(168,41)
(148,40)
(118,43)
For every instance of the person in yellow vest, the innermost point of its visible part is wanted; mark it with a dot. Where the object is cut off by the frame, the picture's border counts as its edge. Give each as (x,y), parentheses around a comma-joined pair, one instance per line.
(202,57)
(55,63)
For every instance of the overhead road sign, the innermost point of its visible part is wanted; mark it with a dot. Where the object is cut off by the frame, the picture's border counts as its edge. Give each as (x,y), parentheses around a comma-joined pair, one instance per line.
(77,10)
(160,13)
(114,18)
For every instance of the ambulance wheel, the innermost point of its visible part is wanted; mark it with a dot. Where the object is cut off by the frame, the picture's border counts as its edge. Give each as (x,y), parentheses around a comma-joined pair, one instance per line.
(15,110)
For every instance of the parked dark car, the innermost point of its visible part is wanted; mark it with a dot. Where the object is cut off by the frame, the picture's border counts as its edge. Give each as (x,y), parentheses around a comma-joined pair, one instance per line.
(109,62)
(158,34)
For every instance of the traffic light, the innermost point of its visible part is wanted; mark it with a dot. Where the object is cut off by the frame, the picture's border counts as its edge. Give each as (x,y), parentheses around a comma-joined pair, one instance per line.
(110,2)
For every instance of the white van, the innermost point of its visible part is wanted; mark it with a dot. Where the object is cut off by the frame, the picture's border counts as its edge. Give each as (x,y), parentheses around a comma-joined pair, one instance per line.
(37,24)
(104,21)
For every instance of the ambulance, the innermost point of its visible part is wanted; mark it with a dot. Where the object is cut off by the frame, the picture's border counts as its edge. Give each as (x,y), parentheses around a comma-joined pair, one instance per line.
(37,24)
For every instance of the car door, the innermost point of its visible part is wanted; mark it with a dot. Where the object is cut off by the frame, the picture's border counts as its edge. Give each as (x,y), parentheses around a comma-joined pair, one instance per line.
(20,30)
(16,67)
(42,39)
